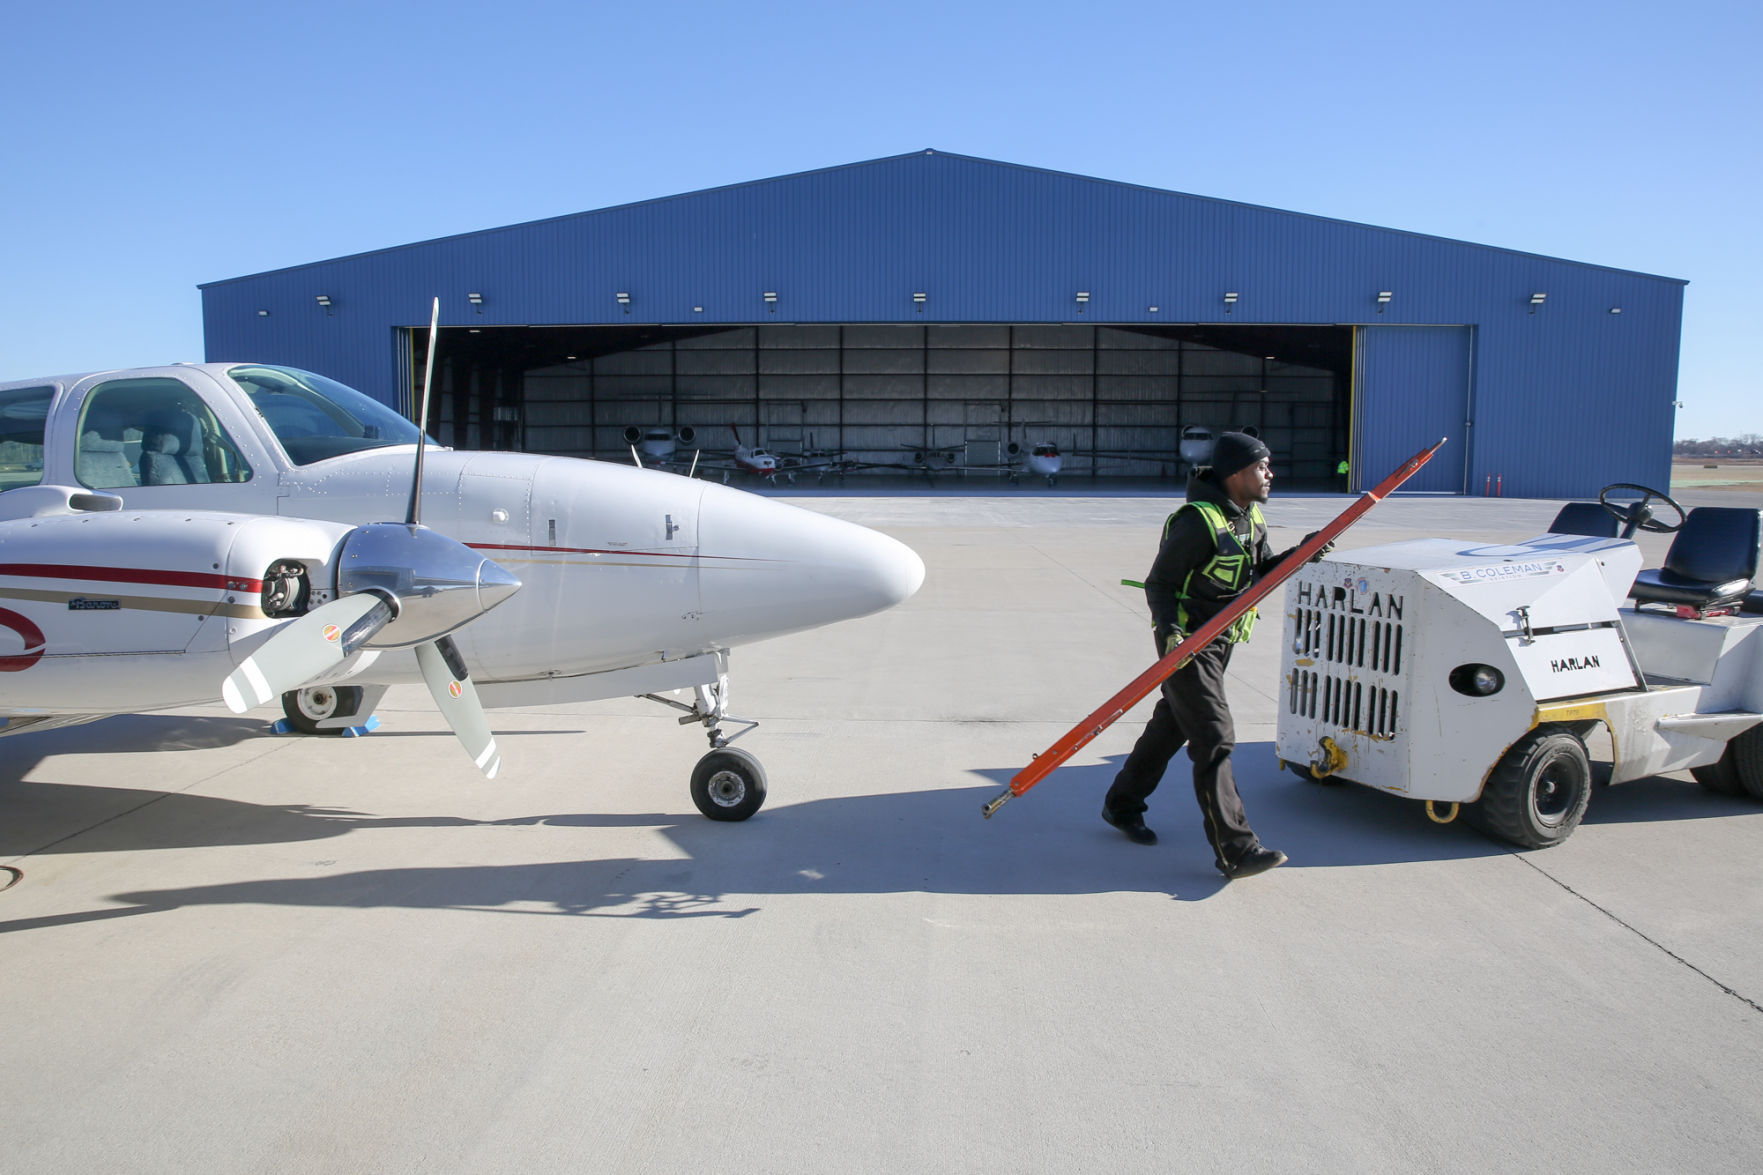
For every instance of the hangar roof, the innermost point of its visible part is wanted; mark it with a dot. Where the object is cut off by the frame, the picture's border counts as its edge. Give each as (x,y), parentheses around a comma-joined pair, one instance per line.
(913,214)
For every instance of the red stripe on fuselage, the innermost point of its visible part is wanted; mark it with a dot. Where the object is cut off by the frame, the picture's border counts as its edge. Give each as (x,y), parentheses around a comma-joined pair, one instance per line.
(598,551)
(189,579)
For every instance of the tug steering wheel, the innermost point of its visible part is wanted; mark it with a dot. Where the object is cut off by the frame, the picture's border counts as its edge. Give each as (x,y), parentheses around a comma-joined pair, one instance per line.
(1639,515)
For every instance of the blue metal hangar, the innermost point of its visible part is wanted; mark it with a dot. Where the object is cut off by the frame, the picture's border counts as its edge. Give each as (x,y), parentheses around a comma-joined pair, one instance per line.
(935,310)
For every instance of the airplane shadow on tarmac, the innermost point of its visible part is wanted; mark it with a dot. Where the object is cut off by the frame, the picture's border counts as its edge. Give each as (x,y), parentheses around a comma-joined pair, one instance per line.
(124,733)
(37,814)
(1050,841)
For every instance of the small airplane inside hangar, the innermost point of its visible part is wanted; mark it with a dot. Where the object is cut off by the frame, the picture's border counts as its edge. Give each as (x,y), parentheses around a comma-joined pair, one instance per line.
(946,400)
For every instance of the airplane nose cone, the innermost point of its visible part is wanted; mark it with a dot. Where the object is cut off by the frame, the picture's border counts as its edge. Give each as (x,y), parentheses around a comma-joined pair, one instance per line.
(767,568)
(495,583)
(896,570)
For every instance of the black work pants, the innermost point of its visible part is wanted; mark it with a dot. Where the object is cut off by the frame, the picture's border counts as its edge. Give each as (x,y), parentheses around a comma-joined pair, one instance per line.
(1191,711)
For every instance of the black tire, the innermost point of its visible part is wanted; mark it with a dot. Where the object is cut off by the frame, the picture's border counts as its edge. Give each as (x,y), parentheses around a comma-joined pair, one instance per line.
(306,708)
(1538,792)
(1720,776)
(1745,755)
(728,784)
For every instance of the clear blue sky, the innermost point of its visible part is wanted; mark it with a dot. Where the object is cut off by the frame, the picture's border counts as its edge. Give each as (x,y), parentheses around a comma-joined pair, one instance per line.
(149,147)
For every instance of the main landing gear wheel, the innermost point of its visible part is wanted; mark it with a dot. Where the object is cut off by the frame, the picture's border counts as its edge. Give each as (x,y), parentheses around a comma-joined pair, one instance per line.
(728,784)
(1538,792)
(1639,514)
(306,708)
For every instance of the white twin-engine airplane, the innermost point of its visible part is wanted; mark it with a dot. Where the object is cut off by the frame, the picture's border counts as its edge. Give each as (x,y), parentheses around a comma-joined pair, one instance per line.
(173,534)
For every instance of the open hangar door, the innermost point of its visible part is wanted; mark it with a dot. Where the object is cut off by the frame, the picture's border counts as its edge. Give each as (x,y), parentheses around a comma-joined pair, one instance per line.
(482,396)
(1411,386)
(1113,398)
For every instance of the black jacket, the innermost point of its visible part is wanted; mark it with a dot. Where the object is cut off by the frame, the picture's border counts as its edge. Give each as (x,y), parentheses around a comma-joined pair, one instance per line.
(1188,544)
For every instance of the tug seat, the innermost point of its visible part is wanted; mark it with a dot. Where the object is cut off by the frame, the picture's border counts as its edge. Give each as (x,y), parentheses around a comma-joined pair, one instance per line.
(1712,562)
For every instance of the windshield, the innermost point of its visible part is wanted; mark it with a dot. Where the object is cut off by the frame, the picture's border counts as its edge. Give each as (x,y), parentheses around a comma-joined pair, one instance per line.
(315,418)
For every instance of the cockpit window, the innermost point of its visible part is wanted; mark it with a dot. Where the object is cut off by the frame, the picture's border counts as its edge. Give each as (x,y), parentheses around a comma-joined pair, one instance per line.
(316,418)
(152,431)
(24,413)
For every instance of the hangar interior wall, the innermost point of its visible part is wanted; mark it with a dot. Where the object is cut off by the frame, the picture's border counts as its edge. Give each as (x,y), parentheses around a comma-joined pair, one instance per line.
(1114,399)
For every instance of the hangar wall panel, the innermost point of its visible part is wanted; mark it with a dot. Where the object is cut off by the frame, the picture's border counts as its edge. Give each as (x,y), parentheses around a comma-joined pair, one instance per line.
(1413,389)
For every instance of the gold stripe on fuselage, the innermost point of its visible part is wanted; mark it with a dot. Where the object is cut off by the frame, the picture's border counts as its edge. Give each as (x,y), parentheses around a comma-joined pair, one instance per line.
(140,603)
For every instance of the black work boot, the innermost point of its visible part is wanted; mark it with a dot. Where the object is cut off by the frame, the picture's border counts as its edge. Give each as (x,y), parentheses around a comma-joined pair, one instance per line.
(1257,858)
(1132,827)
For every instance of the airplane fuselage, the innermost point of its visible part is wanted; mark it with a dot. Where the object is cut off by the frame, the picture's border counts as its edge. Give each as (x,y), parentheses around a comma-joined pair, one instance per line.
(621,568)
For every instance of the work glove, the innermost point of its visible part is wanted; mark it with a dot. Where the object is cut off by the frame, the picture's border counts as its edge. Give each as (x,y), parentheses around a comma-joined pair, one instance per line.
(1326,547)
(1176,636)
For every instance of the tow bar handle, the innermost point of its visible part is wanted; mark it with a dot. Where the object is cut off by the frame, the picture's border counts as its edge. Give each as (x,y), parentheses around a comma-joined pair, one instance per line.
(1080,736)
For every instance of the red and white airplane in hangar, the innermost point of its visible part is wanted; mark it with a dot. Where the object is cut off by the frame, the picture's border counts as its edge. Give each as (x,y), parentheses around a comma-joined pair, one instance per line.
(169,535)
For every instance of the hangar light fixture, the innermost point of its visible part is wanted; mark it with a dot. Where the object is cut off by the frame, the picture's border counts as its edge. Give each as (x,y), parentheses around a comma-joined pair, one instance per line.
(1083,299)
(918,301)
(624,300)
(1151,309)
(1230,300)
(263,314)
(1616,310)
(1383,299)
(1535,301)
(477,302)
(325,301)
(770,297)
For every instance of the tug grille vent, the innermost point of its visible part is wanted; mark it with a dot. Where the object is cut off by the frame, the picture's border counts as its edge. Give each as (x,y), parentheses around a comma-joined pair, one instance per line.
(1347,655)
(1353,642)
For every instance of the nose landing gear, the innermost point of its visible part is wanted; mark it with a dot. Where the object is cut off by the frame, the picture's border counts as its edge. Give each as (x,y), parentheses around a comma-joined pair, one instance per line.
(727,784)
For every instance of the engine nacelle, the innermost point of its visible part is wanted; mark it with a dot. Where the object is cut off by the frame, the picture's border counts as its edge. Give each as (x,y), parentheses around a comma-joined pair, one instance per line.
(171,600)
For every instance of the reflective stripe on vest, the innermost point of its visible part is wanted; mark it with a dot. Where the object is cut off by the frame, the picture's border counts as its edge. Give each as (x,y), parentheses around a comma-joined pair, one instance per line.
(1229,573)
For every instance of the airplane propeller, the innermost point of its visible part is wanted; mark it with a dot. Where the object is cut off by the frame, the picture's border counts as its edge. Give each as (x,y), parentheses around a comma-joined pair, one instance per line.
(304,649)
(399,585)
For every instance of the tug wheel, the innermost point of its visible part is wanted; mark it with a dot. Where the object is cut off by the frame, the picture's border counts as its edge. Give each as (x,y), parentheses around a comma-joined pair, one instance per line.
(728,784)
(1538,792)
(1719,776)
(1740,771)
(306,708)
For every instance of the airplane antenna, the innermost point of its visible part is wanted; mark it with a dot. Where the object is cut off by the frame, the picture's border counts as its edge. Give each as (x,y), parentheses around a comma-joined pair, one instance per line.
(428,376)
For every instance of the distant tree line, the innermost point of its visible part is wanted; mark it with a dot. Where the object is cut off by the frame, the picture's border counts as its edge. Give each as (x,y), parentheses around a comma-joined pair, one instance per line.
(1748,445)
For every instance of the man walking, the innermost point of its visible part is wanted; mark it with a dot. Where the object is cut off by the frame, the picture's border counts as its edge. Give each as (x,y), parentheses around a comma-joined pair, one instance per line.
(1213,548)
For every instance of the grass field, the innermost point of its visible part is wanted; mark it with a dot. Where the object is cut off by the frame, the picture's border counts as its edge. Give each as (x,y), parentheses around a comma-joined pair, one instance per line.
(1715,473)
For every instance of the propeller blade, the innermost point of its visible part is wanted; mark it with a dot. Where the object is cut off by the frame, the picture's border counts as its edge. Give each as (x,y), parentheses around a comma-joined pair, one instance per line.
(304,649)
(455,696)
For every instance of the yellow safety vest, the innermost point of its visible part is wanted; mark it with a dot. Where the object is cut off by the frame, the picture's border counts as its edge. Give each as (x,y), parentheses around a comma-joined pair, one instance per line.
(1228,571)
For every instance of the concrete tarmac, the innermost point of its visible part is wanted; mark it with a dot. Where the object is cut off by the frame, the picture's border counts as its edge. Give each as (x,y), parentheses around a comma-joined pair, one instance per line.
(237,952)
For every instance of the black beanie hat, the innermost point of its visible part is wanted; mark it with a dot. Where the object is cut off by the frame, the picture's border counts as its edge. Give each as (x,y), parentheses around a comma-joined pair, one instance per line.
(1236,451)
